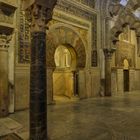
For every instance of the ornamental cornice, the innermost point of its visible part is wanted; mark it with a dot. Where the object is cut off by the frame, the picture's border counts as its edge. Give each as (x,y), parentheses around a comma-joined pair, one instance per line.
(79,5)
(76,9)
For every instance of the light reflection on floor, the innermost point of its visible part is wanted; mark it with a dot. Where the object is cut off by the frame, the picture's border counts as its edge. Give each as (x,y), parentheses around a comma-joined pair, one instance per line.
(64,99)
(111,118)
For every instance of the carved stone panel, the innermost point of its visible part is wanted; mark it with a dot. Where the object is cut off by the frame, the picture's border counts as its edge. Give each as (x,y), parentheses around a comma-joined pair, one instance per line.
(125,51)
(24,40)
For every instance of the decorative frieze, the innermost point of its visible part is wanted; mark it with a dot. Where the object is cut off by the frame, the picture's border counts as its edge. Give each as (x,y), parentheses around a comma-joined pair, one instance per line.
(75,10)
(70,19)
(24,40)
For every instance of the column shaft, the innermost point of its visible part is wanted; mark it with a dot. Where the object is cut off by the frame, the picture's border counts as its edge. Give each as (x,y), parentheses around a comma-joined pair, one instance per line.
(108,77)
(108,58)
(38,102)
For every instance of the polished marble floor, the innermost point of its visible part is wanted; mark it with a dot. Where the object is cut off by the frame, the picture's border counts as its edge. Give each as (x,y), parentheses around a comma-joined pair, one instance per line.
(111,118)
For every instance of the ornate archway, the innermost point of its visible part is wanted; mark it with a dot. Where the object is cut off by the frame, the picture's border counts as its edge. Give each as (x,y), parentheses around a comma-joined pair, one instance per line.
(60,34)
(124,16)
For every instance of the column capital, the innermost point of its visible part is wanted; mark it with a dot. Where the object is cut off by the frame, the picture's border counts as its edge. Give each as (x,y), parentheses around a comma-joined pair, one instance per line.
(108,52)
(39,12)
(4,41)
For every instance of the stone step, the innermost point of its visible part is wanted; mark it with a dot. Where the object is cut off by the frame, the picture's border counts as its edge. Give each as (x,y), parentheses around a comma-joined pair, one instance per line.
(11,136)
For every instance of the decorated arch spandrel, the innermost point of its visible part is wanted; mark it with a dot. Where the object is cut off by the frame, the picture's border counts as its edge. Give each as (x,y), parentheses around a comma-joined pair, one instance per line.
(64,35)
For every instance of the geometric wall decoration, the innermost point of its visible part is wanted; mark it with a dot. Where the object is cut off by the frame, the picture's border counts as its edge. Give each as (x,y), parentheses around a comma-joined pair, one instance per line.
(24,40)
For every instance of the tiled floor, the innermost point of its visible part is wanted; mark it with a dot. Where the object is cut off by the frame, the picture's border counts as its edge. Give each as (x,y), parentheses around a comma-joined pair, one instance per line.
(111,118)
(8,126)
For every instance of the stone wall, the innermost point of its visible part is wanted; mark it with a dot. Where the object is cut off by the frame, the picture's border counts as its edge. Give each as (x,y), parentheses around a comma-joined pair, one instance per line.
(95,82)
(89,83)
(63,83)
(22,87)
(137,79)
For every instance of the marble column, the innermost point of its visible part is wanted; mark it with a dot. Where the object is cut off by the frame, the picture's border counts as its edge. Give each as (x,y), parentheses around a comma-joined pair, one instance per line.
(38,87)
(137,50)
(4,98)
(40,16)
(38,102)
(108,58)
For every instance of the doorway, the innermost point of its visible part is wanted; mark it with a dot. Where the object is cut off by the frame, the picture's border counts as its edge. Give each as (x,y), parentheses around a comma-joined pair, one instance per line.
(126,80)
(64,75)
